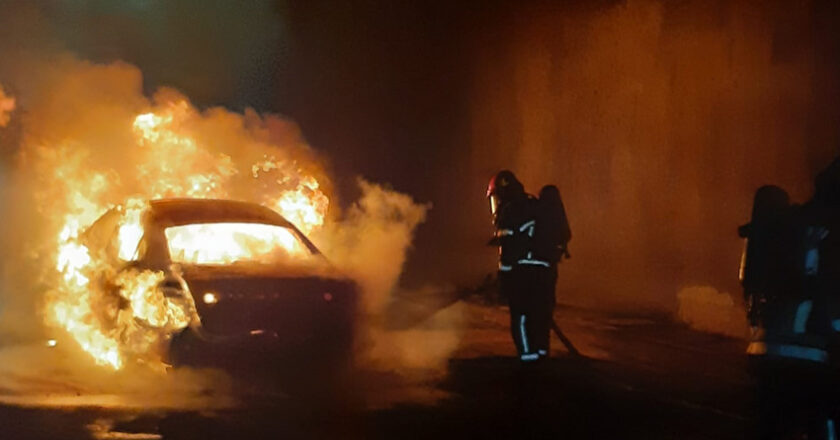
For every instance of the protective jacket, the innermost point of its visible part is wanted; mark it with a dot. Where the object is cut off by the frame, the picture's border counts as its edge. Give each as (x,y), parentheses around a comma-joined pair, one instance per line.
(791,311)
(791,275)
(525,276)
(799,317)
(516,230)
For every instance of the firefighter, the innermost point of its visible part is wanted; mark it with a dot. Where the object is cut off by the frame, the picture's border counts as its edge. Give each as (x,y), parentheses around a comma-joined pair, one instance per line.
(767,262)
(524,276)
(790,278)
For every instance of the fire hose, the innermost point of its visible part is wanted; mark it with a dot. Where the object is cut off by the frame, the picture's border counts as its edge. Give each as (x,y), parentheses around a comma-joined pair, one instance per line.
(566,342)
(431,309)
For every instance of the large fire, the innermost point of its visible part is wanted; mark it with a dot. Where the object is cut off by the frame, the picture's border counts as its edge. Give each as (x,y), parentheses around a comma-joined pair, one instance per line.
(126,319)
(222,243)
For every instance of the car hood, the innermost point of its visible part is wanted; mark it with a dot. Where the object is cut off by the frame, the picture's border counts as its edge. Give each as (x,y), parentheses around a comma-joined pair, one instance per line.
(251,298)
(252,270)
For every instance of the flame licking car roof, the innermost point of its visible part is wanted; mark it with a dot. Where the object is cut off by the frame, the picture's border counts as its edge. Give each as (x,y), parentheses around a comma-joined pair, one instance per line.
(182,211)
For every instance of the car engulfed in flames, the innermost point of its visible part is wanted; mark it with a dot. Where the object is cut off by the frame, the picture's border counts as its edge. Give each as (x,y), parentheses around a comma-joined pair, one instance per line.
(216,283)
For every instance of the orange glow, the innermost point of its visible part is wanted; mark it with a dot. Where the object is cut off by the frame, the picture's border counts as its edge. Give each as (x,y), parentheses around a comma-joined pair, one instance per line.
(210,298)
(222,243)
(128,318)
(7,104)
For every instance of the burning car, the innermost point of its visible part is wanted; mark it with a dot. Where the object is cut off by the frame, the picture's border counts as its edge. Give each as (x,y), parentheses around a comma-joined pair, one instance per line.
(241,284)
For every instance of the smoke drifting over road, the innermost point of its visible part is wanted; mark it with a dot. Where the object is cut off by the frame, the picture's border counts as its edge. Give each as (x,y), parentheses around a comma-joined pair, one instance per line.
(370,244)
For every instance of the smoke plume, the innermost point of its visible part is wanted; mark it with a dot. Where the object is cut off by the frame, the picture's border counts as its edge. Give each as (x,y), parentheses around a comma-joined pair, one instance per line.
(91,139)
(705,309)
(370,244)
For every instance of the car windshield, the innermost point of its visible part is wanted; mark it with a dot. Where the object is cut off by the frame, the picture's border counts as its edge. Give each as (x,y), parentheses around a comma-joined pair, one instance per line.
(227,243)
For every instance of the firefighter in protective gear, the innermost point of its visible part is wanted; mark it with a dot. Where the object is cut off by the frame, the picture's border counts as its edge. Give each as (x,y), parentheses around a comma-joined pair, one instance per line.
(524,274)
(790,278)
(767,262)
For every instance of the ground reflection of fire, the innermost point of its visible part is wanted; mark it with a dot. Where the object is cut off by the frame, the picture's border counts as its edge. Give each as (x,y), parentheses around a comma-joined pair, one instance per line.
(170,157)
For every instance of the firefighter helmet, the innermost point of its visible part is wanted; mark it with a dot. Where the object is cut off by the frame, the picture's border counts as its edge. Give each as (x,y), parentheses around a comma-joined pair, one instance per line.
(501,188)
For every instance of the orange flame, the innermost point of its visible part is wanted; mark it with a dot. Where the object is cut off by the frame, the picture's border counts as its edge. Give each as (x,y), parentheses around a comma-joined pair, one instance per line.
(221,243)
(120,317)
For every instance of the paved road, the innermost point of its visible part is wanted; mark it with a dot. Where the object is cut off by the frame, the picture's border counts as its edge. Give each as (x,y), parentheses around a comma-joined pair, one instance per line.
(643,377)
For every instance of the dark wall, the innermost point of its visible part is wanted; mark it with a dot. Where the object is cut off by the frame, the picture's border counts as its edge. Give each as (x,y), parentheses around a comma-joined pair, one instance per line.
(657,119)
(384,88)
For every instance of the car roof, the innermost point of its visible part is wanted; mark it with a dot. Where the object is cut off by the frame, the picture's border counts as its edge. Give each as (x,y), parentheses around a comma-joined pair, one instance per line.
(175,211)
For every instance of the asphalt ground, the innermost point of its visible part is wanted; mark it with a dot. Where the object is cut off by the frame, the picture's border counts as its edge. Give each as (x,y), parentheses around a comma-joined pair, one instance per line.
(639,377)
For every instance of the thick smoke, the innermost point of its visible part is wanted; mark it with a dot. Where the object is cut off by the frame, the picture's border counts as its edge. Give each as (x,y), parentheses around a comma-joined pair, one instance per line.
(77,115)
(78,151)
(74,156)
(78,154)
(370,244)
(36,375)
(704,308)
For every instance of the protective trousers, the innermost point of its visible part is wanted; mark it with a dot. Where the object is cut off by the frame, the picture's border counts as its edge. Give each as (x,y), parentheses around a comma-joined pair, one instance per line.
(530,294)
(794,397)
